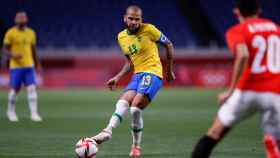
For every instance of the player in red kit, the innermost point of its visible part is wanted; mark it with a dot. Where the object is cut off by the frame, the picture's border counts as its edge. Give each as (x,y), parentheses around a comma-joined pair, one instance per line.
(255,85)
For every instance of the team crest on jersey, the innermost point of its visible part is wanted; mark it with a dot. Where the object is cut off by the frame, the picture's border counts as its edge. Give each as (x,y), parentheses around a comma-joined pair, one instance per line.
(139,39)
(146,81)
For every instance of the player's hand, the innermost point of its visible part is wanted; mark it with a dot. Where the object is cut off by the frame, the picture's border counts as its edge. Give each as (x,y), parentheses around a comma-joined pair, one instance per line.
(111,83)
(223,97)
(39,69)
(170,76)
(16,56)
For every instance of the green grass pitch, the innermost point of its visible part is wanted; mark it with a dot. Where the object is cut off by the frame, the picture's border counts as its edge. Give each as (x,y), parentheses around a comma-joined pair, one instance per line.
(173,123)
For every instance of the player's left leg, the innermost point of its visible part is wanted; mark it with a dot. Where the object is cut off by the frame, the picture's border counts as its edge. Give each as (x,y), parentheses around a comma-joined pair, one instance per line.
(32,96)
(140,102)
(206,144)
(147,89)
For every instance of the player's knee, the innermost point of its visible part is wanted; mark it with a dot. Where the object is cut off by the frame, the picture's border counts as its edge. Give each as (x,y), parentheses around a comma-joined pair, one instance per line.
(136,103)
(31,88)
(122,107)
(12,95)
(128,96)
(12,92)
(31,92)
(214,133)
(140,101)
(218,130)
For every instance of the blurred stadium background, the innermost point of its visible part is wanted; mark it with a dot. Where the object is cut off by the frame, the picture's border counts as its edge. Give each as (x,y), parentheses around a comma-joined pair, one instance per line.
(79,39)
(78,48)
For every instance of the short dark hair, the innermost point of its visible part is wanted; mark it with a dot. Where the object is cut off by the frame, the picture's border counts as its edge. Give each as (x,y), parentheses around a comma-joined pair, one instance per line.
(134,8)
(248,7)
(21,11)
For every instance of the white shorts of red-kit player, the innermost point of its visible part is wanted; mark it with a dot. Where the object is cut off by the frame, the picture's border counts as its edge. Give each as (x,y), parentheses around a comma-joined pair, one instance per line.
(244,103)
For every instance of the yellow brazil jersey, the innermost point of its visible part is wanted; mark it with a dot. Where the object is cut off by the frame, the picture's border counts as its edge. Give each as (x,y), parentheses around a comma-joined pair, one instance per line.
(21,42)
(142,49)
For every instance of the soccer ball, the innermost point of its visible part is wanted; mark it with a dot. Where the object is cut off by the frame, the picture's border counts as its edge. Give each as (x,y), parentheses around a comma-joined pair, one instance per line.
(86,148)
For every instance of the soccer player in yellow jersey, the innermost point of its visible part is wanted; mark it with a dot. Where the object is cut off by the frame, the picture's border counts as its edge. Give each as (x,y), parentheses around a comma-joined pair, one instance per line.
(138,43)
(19,46)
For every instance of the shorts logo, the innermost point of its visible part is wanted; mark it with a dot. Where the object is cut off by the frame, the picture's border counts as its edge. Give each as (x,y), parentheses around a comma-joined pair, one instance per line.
(146,80)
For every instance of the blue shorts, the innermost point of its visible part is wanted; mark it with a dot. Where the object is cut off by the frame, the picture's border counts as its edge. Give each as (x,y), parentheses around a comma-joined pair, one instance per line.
(145,83)
(19,76)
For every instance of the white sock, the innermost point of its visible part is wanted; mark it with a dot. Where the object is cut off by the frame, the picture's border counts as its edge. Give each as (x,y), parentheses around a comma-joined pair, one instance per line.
(122,107)
(12,97)
(32,99)
(137,125)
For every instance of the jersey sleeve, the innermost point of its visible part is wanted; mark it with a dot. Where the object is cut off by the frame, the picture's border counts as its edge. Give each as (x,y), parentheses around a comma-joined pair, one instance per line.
(154,33)
(234,37)
(121,44)
(34,38)
(8,38)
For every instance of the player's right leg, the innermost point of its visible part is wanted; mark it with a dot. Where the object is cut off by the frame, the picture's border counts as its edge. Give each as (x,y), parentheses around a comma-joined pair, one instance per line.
(148,87)
(139,103)
(32,97)
(11,110)
(15,85)
(122,108)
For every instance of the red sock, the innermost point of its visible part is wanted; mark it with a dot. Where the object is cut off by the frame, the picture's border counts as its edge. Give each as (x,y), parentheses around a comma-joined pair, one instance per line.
(271,147)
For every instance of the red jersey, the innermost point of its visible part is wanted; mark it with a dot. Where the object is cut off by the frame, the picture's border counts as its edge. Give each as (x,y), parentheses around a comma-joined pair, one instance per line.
(262,38)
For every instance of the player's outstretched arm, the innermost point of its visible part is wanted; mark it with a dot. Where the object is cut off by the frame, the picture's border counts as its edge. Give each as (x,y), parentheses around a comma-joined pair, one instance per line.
(242,56)
(241,60)
(36,59)
(170,76)
(125,70)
